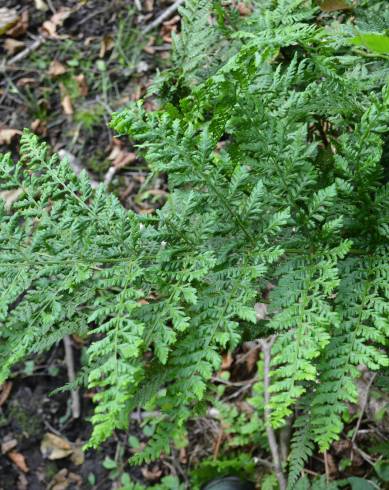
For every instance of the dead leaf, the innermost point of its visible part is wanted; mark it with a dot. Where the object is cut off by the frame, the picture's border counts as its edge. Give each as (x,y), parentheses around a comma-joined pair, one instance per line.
(169,27)
(150,48)
(227,361)
(153,474)
(77,457)
(21,25)
(106,44)
(5,390)
(7,446)
(119,156)
(82,84)
(183,455)
(22,82)
(13,45)
(49,28)
(19,460)
(149,5)
(332,5)
(63,479)
(7,135)
(41,5)
(39,127)
(9,197)
(56,68)
(8,18)
(260,311)
(55,447)
(243,9)
(67,105)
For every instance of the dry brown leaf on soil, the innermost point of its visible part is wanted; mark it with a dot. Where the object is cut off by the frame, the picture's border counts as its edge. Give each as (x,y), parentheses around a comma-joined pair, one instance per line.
(55,447)
(39,127)
(49,27)
(56,68)
(21,25)
(149,5)
(8,18)
(106,44)
(12,46)
(9,197)
(152,474)
(5,391)
(332,5)
(119,156)
(8,445)
(19,460)
(227,361)
(22,82)
(67,105)
(82,84)
(7,135)
(243,9)
(41,5)
(63,479)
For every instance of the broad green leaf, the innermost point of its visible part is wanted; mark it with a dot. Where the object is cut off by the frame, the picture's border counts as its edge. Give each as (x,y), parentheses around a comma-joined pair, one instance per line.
(379,43)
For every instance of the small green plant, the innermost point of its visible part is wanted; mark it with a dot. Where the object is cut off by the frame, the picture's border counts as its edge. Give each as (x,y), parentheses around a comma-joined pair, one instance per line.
(276,157)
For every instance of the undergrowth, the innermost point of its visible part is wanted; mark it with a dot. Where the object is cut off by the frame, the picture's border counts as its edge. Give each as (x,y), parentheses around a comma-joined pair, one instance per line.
(273,132)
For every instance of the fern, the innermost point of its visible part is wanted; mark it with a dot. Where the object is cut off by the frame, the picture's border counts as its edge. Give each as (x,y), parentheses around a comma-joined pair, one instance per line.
(276,170)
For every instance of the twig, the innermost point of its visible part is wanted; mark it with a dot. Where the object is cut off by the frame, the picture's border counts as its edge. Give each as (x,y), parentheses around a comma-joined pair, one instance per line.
(138,5)
(69,359)
(167,13)
(285,435)
(363,407)
(109,175)
(266,346)
(327,471)
(264,462)
(29,49)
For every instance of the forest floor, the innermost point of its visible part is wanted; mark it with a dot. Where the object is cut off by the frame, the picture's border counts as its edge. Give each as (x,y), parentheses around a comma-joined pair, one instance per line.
(65,66)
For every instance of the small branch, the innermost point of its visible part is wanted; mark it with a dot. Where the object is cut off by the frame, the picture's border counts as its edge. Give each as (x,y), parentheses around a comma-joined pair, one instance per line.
(69,359)
(266,349)
(29,49)
(167,13)
(363,407)
(285,435)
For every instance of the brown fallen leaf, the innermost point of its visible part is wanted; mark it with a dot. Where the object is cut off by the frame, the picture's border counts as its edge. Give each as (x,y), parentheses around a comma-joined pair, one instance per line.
(7,135)
(8,18)
(41,5)
(82,84)
(11,196)
(5,391)
(119,156)
(151,474)
(149,5)
(49,27)
(12,46)
(55,447)
(19,460)
(67,105)
(22,82)
(243,9)
(56,68)
(63,479)
(227,361)
(21,25)
(106,44)
(39,127)
(8,445)
(332,5)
